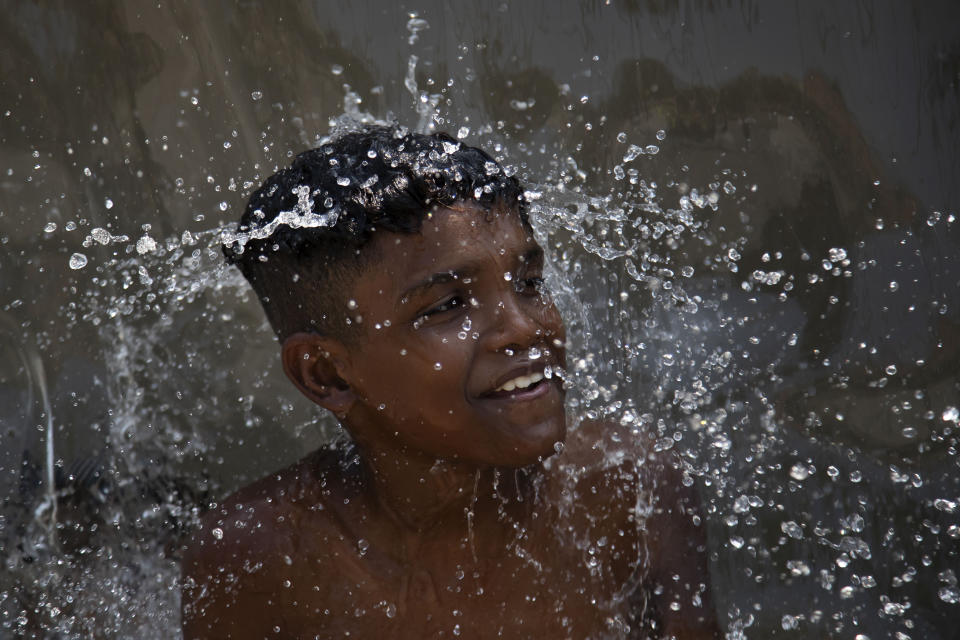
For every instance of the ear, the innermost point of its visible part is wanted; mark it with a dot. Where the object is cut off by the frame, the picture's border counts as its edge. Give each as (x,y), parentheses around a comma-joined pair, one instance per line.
(315,364)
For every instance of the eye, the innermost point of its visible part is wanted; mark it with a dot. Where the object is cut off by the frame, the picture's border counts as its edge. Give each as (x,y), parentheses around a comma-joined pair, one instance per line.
(530,286)
(450,304)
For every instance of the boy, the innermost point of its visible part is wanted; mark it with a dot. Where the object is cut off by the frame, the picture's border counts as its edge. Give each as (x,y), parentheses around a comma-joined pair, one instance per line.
(401,276)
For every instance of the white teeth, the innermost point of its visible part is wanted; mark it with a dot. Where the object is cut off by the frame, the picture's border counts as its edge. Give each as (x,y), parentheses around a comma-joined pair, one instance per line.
(521,382)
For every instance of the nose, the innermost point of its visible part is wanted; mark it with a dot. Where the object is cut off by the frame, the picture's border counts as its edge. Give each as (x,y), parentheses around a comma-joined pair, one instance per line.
(519,324)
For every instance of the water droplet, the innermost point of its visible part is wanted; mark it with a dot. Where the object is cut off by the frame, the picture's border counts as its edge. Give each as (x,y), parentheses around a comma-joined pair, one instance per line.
(256,95)
(414,26)
(667,359)
(792,529)
(947,506)
(621,137)
(652,149)
(508,276)
(736,542)
(687,272)
(343,181)
(909,432)
(951,414)
(741,504)
(351,304)
(362,545)
(837,254)
(51,227)
(950,595)
(534,353)
(799,472)
(101,235)
(146,244)
(336,69)
(217,533)
(437,366)
(661,135)
(891,370)
(632,152)
(894,285)
(78,261)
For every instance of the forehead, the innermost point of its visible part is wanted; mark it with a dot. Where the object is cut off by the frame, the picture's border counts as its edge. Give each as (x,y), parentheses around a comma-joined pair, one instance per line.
(450,239)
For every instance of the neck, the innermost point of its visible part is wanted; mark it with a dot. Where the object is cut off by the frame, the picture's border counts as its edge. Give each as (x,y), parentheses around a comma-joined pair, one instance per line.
(422,492)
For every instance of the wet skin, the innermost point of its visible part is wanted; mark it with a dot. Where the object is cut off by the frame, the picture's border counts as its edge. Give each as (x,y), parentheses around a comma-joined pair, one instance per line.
(451,515)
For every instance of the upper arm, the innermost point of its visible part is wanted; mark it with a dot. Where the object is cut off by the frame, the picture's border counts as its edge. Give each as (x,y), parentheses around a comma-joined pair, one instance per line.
(229,589)
(679,573)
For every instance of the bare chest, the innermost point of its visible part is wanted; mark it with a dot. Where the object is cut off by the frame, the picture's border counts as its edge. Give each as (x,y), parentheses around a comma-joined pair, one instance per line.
(541,585)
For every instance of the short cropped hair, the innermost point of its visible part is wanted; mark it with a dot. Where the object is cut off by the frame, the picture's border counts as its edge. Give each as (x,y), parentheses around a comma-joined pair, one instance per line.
(300,242)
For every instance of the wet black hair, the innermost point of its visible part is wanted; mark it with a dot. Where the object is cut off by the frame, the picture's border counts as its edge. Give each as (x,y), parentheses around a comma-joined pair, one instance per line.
(300,242)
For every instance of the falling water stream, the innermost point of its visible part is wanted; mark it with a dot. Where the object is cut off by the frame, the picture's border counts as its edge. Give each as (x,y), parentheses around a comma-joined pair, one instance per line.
(752,265)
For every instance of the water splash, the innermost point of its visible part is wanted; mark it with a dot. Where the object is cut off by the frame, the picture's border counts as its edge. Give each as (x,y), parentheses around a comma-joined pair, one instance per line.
(682,323)
(425,104)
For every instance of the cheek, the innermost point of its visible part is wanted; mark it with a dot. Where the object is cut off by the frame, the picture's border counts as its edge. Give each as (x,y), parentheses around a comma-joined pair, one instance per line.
(415,371)
(552,321)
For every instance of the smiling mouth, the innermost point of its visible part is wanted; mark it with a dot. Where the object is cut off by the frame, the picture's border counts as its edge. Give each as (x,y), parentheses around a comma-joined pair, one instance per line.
(525,385)
(521,382)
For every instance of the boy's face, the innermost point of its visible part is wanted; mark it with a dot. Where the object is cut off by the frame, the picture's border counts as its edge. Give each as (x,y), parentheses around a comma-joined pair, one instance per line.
(455,339)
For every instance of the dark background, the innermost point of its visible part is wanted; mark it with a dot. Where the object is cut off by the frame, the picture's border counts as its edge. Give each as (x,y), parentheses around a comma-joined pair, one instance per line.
(812,400)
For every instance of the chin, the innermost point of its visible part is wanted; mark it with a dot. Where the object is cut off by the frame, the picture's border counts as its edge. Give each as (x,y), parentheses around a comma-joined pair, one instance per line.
(541,443)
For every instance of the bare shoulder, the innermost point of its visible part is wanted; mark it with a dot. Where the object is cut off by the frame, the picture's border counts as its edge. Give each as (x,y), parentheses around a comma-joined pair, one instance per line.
(260,513)
(600,443)
(624,473)
(597,483)
(249,545)
(606,447)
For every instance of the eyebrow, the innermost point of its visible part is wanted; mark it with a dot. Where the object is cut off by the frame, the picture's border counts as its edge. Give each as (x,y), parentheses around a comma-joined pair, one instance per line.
(465,270)
(441,277)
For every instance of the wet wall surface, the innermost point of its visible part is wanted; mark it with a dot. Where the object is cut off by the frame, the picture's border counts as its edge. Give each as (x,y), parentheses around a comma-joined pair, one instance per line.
(771,283)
